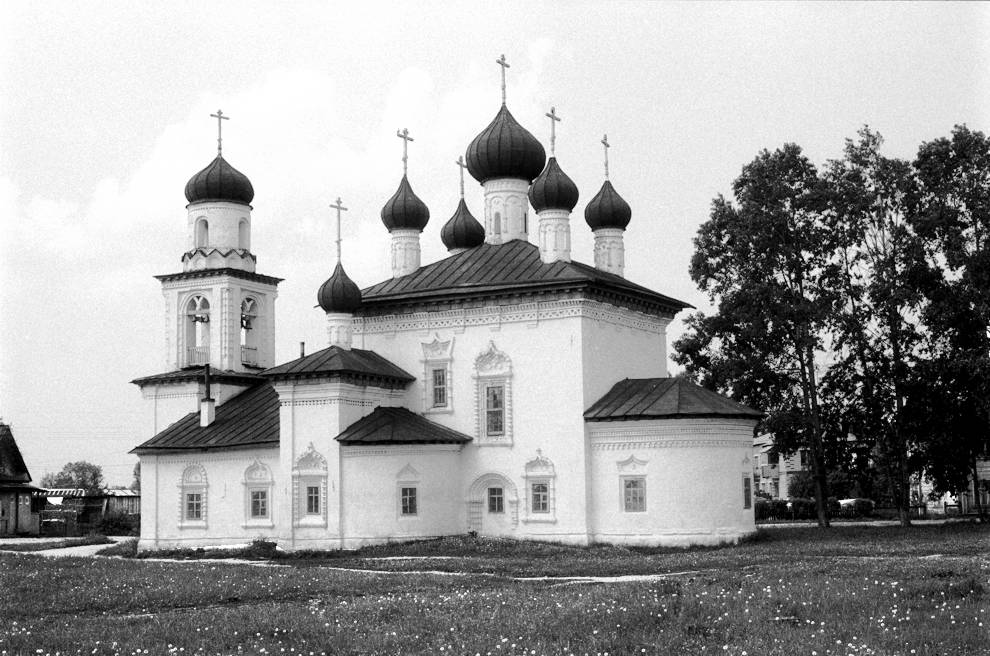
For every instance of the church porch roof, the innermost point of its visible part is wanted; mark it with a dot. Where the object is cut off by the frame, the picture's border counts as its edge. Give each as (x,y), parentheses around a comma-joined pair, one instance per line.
(338,361)
(665,398)
(398,426)
(514,267)
(248,420)
(196,373)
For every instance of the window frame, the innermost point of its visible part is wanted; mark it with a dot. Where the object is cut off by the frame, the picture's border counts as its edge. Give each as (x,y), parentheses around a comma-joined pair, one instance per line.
(259,503)
(542,508)
(441,387)
(489,409)
(314,507)
(408,500)
(747,492)
(188,505)
(193,480)
(497,495)
(625,497)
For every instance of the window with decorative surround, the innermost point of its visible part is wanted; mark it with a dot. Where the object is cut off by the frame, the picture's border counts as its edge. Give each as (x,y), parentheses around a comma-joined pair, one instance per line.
(632,481)
(309,489)
(437,375)
(540,475)
(496,500)
(747,493)
(407,484)
(493,377)
(192,497)
(258,485)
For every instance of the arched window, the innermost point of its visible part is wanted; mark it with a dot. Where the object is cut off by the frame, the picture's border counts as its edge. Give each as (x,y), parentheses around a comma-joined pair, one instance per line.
(197,330)
(244,235)
(202,233)
(493,377)
(258,485)
(309,489)
(497,224)
(192,497)
(249,331)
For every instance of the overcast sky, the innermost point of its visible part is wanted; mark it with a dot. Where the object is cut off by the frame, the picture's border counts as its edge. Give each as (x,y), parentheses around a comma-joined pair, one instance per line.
(104,115)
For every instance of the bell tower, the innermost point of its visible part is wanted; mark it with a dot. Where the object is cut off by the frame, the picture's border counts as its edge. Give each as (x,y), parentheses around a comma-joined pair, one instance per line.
(219,310)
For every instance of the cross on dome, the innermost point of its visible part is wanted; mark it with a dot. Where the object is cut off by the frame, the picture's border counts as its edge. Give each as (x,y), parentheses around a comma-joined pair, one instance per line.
(504,64)
(340,208)
(554,119)
(220,119)
(404,135)
(461,165)
(607,146)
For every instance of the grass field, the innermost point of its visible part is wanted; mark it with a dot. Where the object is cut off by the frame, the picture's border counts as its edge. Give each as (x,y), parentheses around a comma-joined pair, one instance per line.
(850,590)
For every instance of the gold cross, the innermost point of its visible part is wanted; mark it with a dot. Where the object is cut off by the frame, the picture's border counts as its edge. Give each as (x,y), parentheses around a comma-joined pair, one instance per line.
(339,207)
(462,166)
(607,146)
(554,119)
(504,64)
(220,119)
(404,135)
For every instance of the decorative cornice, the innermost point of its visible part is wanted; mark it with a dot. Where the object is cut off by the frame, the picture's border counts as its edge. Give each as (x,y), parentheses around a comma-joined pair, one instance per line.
(216,273)
(532,312)
(404,449)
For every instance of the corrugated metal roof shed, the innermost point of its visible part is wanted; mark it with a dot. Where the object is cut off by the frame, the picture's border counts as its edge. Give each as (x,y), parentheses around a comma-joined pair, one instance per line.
(664,398)
(399,426)
(249,419)
(506,268)
(335,360)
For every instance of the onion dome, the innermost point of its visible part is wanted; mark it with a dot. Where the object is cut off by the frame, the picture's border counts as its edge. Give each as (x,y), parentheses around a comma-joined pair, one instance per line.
(339,293)
(553,190)
(607,209)
(404,210)
(505,149)
(220,181)
(462,230)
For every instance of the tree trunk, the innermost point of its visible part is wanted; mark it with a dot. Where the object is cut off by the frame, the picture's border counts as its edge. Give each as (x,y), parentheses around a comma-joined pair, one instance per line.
(900,483)
(977,501)
(810,394)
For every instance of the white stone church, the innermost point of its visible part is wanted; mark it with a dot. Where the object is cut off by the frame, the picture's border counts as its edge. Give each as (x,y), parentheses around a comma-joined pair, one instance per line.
(505,389)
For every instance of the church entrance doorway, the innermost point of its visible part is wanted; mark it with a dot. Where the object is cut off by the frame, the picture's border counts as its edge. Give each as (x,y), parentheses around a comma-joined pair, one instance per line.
(493,505)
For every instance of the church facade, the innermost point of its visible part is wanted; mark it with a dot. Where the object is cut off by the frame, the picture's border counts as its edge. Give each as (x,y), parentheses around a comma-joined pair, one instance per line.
(505,389)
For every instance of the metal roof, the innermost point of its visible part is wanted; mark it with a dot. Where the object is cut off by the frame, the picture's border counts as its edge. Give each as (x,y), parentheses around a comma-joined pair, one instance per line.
(505,268)
(399,426)
(249,419)
(337,361)
(226,271)
(196,373)
(664,398)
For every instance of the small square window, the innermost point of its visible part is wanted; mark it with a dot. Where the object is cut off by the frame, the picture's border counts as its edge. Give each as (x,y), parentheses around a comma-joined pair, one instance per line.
(194,506)
(634,494)
(541,498)
(495,410)
(259,504)
(312,500)
(407,496)
(439,388)
(747,493)
(496,500)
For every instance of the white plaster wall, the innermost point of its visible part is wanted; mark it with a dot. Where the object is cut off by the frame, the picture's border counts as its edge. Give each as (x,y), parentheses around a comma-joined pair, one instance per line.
(373,476)
(546,403)
(224,223)
(614,351)
(227,512)
(694,471)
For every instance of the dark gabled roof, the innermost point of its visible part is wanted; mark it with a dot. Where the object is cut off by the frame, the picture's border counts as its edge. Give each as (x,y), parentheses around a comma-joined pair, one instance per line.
(664,398)
(506,268)
(398,426)
(247,420)
(337,361)
(13,471)
(226,271)
(196,373)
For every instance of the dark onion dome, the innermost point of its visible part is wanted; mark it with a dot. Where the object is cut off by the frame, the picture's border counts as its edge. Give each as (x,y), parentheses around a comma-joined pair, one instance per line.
(220,181)
(339,293)
(553,190)
(404,210)
(607,209)
(505,149)
(462,230)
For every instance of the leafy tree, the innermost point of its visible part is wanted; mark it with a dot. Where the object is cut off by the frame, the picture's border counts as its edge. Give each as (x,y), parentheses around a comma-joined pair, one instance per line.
(954,223)
(79,474)
(763,263)
(875,326)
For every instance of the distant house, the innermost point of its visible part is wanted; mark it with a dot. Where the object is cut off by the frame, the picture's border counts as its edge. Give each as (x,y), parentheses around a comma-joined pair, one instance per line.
(772,472)
(90,507)
(17,514)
